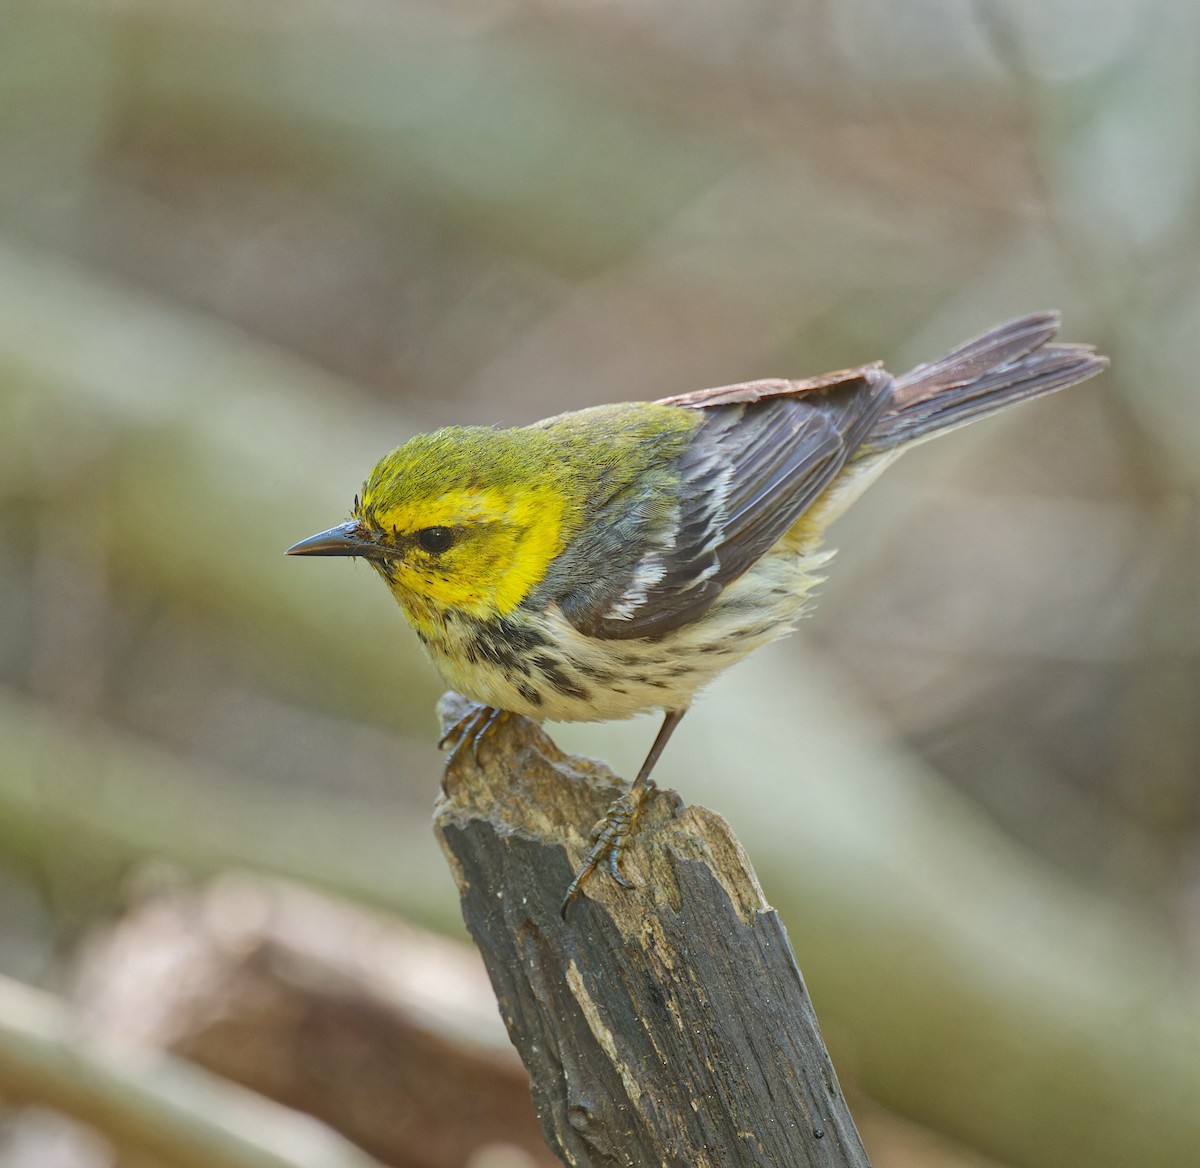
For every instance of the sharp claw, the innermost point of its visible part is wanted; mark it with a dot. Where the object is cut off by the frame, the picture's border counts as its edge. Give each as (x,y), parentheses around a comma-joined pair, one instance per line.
(480,728)
(469,728)
(576,884)
(614,866)
(471,731)
(612,833)
(454,733)
(610,837)
(489,720)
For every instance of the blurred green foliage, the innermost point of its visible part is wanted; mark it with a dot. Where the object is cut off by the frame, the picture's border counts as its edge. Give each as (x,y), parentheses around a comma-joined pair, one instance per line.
(245,249)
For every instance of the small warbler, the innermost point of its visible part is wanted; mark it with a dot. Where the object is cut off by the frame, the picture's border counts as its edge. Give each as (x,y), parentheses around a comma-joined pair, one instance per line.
(616,559)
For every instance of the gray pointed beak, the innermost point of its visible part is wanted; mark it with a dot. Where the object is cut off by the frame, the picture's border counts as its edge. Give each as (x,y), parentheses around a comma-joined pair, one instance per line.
(347,539)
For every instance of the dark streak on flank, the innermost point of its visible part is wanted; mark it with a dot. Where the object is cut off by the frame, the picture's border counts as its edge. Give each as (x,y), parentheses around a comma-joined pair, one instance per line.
(554,673)
(505,643)
(594,672)
(531,695)
(523,637)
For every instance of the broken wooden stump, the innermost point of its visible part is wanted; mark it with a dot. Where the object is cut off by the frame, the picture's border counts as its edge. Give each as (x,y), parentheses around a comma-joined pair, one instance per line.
(667,1024)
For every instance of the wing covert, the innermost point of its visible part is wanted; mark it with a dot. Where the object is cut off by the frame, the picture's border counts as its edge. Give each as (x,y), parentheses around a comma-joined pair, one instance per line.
(762,455)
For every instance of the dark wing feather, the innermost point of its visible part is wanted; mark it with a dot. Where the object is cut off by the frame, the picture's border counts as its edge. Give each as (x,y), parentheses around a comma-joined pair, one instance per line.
(762,455)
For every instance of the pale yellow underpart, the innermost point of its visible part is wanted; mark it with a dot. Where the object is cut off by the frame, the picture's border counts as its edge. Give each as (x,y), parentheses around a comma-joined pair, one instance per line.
(510,535)
(620,678)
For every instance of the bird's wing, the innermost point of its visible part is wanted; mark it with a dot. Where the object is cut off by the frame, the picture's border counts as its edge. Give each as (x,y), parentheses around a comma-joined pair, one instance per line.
(763,453)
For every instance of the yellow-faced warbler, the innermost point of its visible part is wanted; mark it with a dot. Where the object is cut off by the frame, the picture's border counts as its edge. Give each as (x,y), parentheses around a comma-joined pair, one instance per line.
(616,559)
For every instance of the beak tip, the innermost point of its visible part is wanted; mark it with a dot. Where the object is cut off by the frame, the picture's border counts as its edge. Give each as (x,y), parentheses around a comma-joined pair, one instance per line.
(344,540)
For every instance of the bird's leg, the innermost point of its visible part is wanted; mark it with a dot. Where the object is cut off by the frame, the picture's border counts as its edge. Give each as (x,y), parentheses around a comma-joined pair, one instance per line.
(473,728)
(612,834)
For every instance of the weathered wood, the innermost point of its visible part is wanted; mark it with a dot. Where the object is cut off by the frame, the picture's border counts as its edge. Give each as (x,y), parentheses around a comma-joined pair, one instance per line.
(666,1024)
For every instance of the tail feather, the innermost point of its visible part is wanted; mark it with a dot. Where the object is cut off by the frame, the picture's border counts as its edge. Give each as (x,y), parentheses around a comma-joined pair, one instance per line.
(1011,363)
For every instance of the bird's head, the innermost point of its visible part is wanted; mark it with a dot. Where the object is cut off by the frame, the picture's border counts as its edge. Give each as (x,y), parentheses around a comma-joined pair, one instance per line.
(464,519)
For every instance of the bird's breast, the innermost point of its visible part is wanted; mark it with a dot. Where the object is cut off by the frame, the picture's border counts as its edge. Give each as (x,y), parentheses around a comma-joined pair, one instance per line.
(536,663)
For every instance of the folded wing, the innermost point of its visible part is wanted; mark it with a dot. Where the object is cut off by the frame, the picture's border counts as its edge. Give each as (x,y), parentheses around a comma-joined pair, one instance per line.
(763,453)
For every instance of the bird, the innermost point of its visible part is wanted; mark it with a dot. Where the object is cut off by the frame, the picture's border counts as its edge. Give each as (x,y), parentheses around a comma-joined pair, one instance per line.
(614,560)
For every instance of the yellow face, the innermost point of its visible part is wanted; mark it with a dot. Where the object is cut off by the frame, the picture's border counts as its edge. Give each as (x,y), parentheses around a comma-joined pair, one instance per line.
(476,549)
(469,519)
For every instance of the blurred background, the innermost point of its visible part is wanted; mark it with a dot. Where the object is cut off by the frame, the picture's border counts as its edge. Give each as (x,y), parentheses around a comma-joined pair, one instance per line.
(246,248)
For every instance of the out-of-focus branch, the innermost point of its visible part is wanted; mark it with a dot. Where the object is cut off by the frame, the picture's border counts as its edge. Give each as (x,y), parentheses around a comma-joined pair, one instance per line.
(69,789)
(384,1032)
(206,440)
(180,1115)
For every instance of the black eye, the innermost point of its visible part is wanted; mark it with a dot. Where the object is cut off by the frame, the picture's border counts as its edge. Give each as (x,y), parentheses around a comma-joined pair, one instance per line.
(435,539)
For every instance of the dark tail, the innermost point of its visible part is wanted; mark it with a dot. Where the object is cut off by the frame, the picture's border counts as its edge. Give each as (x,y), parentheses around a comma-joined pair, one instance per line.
(1011,363)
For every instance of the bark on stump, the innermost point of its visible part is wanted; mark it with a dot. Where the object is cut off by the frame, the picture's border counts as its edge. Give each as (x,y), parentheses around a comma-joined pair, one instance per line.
(666,1024)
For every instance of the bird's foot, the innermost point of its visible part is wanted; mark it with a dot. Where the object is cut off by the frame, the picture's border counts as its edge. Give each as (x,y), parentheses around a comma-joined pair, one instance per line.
(474,728)
(610,838)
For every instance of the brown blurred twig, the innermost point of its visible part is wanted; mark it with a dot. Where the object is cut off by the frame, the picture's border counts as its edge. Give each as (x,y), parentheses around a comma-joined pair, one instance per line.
(178,1114)
(384,1032)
